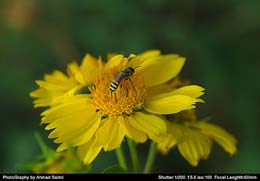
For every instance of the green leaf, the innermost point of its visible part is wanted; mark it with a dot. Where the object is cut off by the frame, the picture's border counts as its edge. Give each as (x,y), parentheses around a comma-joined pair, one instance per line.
(84,90)
(114,169)
(47,151)
(206,119)
(76,166)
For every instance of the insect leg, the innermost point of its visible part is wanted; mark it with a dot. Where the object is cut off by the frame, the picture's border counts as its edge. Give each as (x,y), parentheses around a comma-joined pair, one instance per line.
(132,84)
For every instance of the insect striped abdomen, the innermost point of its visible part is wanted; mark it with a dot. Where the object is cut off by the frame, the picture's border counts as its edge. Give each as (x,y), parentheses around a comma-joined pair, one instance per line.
(113,85)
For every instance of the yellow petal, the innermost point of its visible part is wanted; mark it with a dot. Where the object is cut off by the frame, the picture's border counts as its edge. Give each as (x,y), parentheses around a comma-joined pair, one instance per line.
(188,152)
(157,70)
(79,76)
(44,97)
(53,85)
(62,147)
(115,61)
(55,77)
(73,91)
(56,87)
(89,151)
(88,70)
(194,146)
(136,61)
(149,54)
(72,69)
(193,91)
(74,121)
(170,105)
(111,55)
(168,140)
(79,136)
(38,93)
(130,131)
(110,134)
(66,106)
(222,137)
(205,145)
(57,82)
(151,124)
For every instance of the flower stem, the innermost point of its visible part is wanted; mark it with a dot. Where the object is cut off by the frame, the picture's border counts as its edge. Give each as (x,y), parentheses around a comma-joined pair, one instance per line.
(150,158)
(134,155)
(121,158)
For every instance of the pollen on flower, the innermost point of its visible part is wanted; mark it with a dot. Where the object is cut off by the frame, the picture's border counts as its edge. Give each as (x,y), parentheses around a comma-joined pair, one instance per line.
(124,100)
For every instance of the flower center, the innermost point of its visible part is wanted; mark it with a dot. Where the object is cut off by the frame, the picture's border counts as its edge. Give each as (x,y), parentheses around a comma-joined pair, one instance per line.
(129,95)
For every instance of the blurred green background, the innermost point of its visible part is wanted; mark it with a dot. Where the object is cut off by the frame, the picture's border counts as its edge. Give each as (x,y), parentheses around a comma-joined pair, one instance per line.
(219,38)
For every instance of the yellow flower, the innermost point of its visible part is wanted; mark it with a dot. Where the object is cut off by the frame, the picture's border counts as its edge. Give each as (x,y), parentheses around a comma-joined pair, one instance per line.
(58,84)
(101,118)
(194,138)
